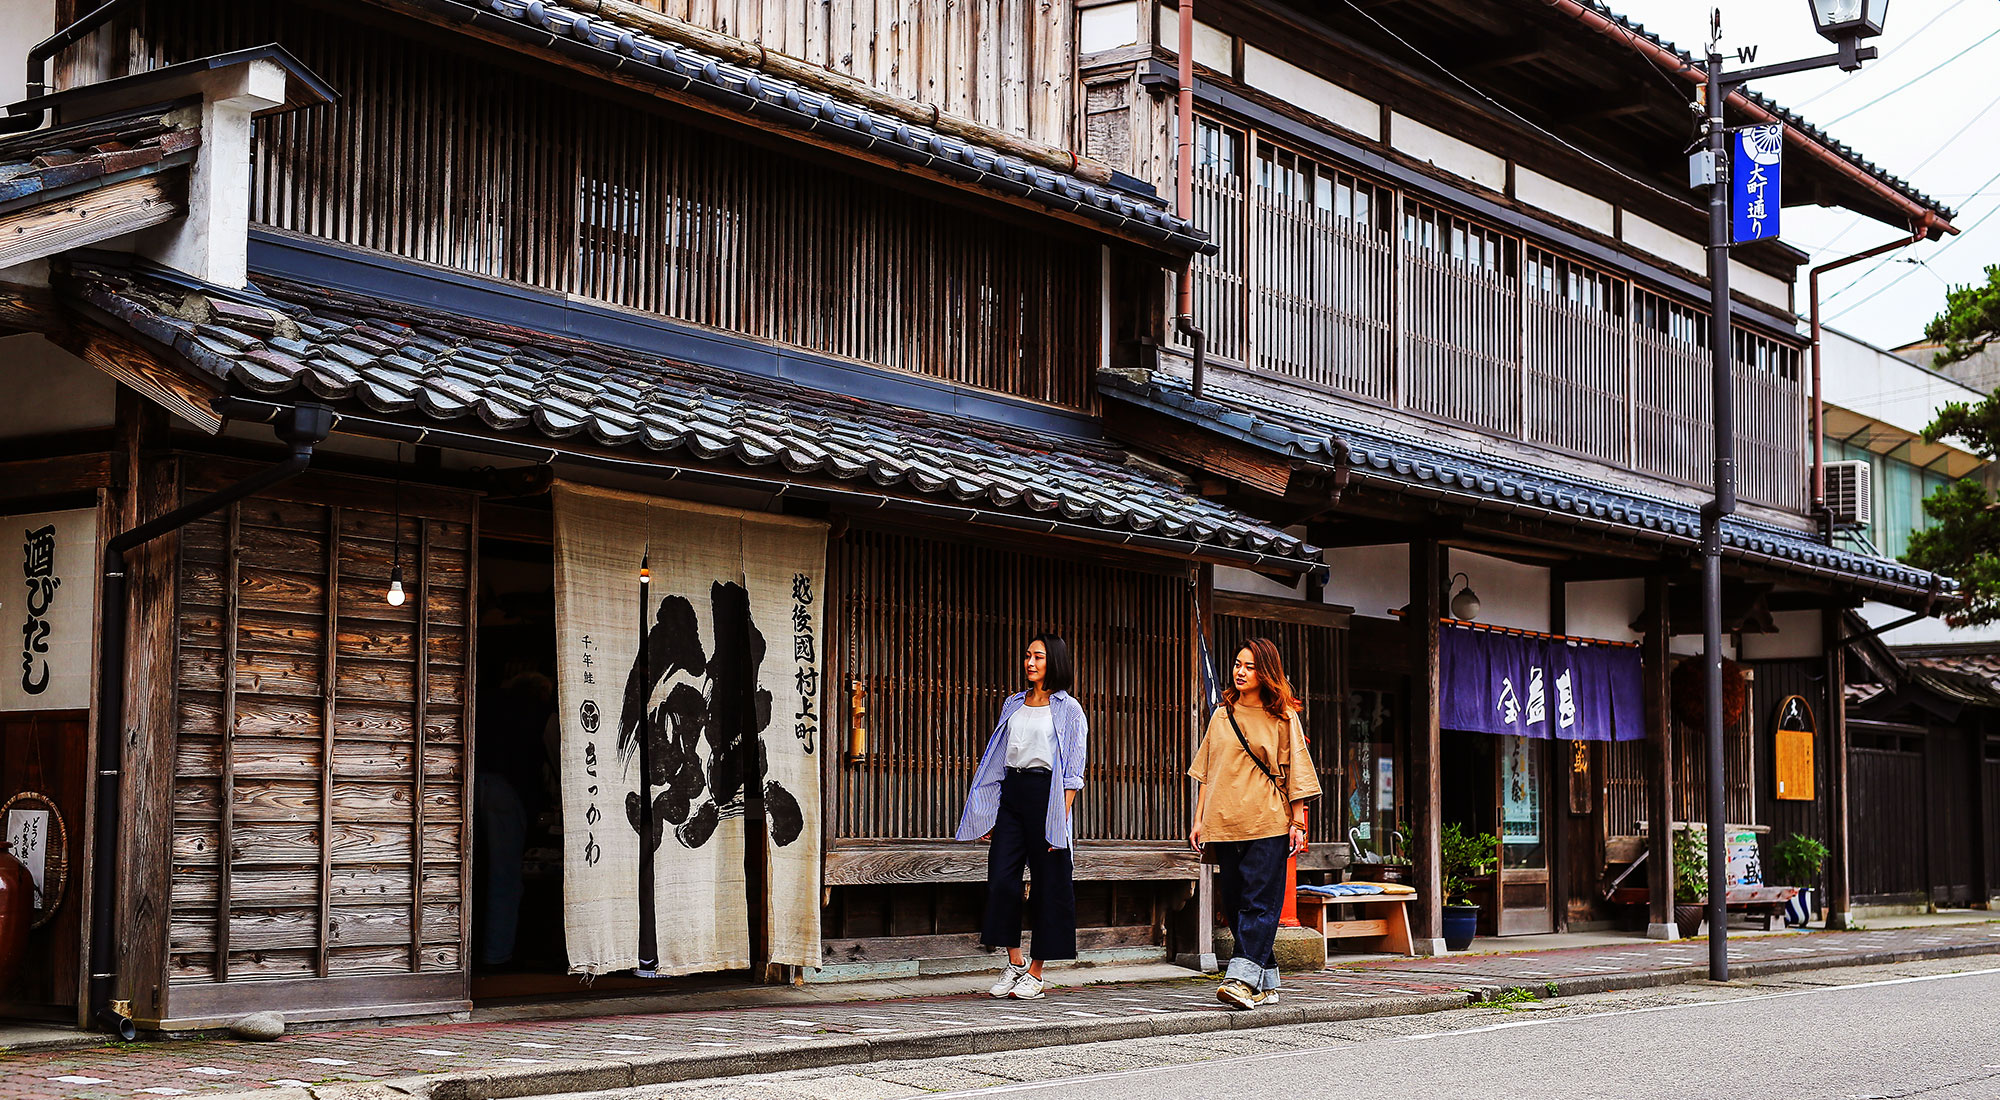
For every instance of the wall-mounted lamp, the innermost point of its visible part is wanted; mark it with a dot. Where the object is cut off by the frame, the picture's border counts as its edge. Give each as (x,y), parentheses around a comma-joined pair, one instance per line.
(1465,605)
(857,721)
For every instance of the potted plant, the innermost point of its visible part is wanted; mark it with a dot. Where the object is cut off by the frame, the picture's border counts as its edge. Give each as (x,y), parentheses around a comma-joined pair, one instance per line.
(1799,859)
(1690,877)
(1461,859)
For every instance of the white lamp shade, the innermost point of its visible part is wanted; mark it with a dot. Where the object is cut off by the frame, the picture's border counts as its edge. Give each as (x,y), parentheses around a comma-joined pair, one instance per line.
(1839,19)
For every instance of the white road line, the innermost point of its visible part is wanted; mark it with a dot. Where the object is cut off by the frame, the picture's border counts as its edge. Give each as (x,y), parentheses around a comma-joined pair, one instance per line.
(1246,1059)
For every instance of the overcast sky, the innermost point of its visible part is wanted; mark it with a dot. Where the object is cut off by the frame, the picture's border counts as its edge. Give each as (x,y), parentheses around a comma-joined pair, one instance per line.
(1908,134)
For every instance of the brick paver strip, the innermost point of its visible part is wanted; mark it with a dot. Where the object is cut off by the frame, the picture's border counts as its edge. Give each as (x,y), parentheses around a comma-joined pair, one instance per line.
(477,1061)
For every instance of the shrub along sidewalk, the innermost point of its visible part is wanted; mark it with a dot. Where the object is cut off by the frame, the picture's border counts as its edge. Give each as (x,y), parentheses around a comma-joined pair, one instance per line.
(474,1061)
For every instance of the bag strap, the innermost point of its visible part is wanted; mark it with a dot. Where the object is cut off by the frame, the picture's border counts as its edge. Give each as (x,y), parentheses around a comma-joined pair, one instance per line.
(1230,712)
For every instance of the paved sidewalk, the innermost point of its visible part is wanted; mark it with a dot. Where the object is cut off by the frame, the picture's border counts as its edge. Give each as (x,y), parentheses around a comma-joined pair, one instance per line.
(480,1060)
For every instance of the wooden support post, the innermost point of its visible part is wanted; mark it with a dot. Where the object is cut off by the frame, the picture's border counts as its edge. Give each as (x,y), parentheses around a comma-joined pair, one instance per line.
(1427,580)
(1660,766)
(1839,889)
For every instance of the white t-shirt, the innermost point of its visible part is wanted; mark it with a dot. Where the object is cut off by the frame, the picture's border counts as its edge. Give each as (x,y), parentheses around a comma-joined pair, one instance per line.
(1031,738)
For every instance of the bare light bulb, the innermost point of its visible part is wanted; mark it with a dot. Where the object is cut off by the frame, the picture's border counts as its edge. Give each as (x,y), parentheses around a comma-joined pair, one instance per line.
(396,596)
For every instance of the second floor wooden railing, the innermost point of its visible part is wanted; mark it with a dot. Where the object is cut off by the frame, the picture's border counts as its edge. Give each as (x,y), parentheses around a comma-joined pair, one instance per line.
(1327,279)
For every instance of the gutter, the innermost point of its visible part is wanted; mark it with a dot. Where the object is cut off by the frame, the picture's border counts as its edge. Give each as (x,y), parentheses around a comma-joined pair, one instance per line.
(1818,398)
(303,428)
(33,112)
(1933,220)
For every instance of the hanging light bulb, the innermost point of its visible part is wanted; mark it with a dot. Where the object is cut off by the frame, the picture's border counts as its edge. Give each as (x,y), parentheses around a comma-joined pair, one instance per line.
(396,596)
(645,570)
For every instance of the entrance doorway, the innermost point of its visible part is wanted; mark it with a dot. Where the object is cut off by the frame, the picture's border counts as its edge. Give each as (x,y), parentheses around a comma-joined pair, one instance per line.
(1499,786)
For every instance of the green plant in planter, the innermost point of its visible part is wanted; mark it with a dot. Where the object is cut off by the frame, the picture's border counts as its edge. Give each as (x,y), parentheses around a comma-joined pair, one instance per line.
(1799,858)
(1462,858)
(1691,864)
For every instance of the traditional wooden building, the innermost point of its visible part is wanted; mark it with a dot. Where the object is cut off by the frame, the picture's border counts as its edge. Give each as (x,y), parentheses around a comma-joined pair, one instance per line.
(684,413)
(1456,319)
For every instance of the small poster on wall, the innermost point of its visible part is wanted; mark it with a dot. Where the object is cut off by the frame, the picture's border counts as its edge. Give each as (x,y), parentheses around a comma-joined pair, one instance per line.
(28,837)
(49,594)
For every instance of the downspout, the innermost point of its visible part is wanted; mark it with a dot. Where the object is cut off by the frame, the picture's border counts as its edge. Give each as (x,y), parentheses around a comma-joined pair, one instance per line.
(38,56)
(1184,190)
(303,428)
(1819,511)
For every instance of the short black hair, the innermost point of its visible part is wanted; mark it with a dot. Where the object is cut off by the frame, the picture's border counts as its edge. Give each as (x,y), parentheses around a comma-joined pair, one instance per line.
(1059,673)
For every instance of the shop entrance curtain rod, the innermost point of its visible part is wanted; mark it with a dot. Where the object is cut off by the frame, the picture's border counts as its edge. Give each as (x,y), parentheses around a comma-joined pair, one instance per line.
(1517,632)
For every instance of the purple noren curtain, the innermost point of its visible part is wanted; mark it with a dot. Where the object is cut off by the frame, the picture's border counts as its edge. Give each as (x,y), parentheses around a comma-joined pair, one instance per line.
(1533,687)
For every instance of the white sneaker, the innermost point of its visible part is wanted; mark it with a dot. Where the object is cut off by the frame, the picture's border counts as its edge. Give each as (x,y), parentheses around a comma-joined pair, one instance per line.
(1029,987)
(1009,979)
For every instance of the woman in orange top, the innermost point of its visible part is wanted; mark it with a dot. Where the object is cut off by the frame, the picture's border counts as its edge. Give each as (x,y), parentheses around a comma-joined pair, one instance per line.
(1256,774)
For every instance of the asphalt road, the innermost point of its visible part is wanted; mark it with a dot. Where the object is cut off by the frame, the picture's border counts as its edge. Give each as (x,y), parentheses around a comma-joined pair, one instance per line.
(1929,1030)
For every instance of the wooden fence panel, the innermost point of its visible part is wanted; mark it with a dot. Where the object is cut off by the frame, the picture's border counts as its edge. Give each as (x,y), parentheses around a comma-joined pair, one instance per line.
(1888,858)
(1461,342)
(319,810)
(934,632)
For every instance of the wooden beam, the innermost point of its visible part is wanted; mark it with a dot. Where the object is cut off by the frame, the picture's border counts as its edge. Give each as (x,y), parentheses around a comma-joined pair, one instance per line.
(1839,865)
(92,217)
(1427,563)
(1505,55)
(856,865)
(61,475)
(140,369)
(893,949)
(1654,656)
(25,308)
(1179,441)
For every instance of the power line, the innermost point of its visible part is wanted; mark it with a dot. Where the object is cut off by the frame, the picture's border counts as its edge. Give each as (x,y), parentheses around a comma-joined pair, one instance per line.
(1898,48)
(1530,123)
(1891,258)
(1878,292)
(1905,84)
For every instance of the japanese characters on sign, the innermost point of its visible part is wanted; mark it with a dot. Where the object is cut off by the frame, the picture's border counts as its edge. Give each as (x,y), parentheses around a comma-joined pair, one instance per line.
(1757,154)
(805,723)
(1538,687)
(54,610)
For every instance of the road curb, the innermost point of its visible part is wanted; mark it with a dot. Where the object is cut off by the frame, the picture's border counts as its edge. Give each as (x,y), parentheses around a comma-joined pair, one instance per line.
(558,1078)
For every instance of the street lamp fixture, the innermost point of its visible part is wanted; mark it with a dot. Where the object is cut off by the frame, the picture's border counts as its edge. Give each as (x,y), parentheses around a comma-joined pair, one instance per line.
(1846,23)
(1838,20)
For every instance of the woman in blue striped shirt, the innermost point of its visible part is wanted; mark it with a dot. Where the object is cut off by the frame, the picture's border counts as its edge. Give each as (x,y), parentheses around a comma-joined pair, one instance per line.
(1021,800)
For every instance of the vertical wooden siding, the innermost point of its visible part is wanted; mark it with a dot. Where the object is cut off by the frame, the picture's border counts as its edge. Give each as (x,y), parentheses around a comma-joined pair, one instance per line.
(1457,320)
(319,812)
(934,631)
(1006,63)
(439,157)
(1889,826)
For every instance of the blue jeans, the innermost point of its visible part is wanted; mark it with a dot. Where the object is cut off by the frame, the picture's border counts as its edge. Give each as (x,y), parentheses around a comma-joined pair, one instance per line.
(1251,890)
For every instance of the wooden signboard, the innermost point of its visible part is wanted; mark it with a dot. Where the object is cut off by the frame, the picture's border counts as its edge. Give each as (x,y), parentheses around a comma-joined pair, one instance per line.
(1794,730)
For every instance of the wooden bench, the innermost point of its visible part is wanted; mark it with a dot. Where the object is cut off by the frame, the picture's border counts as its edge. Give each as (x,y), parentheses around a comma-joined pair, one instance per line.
(1389,934)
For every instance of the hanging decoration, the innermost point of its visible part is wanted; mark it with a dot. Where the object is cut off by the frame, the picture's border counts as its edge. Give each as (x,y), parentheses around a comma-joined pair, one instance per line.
(34,830)
(1690,690)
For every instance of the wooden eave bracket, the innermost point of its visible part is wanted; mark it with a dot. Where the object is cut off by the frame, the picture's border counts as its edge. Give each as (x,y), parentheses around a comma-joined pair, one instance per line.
(137,365)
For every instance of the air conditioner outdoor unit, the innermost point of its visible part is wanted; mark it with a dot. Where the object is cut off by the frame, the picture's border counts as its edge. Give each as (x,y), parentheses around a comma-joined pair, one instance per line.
(1849,494)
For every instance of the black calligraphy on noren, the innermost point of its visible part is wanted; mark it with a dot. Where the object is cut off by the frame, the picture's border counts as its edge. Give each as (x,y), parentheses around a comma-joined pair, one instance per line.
(700,734)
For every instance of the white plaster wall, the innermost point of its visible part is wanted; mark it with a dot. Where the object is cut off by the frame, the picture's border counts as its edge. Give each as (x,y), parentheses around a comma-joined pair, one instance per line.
(1369,579)
(1564,201)
(1108,28)
(1666,245)
(1212,47)
(1689,645)
(1312,93)
(50,391)
(1798,636)
(1769,289)
(1460,158)
(1255,584)
(22,24)
(1605,609)
(1510,594)
(1882,386)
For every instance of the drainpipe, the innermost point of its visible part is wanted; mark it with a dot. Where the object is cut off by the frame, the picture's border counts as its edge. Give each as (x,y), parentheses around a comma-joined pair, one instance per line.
(1184,190)
(1819,403)
(302,428)
(38,57)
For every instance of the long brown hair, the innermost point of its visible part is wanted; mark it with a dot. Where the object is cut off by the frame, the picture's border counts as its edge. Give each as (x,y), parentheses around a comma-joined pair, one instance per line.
(1279,702)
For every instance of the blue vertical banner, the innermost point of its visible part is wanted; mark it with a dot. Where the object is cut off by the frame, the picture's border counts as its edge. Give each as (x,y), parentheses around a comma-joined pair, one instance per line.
(1756,159)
